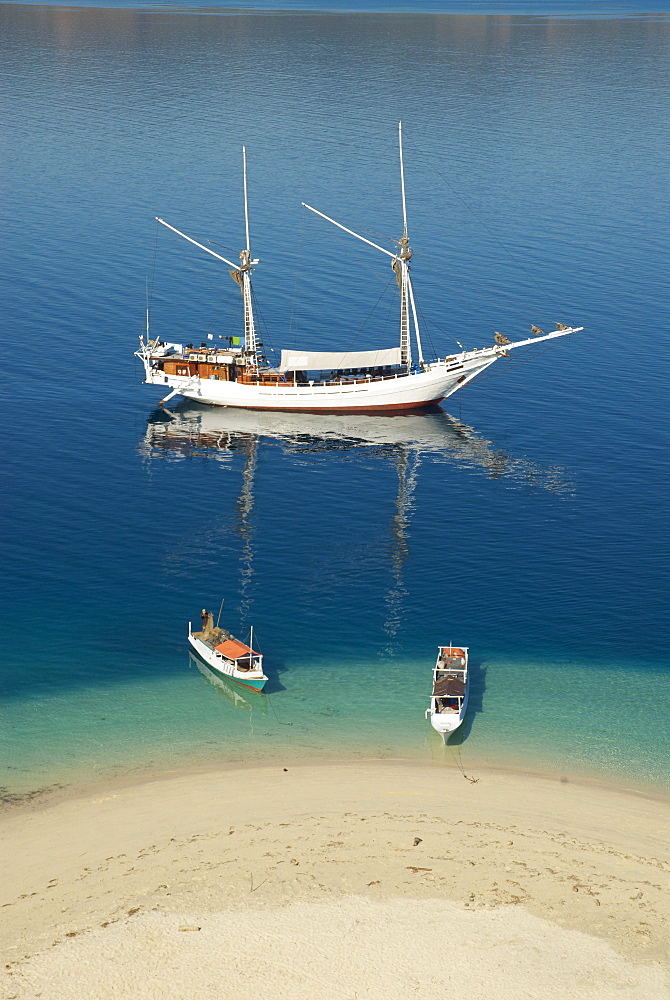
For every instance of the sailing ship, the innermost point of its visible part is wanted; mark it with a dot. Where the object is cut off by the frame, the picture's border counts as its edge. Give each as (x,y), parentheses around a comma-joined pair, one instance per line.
(227,656)
(449,697)
(386,380)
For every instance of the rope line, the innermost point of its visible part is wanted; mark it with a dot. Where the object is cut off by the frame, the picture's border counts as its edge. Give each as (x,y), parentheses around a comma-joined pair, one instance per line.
(367,318)
(153,267)
(294,301)
(270,703)
(485,226)
(459,764)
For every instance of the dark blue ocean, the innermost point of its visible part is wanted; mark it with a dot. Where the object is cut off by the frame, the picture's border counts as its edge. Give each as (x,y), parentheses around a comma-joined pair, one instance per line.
(527,519)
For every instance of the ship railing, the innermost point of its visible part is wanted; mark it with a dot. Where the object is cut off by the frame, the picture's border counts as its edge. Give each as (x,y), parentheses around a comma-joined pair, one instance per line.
(358,381)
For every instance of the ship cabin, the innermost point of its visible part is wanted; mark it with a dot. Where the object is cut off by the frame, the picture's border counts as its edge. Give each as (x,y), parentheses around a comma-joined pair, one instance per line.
(233,364)
(239,654)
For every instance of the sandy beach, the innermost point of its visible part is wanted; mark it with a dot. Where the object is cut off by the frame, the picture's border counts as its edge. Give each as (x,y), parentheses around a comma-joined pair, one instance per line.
(378,879)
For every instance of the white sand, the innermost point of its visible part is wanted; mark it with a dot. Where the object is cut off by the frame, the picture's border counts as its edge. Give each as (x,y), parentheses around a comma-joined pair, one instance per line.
(309,883)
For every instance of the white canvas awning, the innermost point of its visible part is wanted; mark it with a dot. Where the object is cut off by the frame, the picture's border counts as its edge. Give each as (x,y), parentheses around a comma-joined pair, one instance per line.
(330,360)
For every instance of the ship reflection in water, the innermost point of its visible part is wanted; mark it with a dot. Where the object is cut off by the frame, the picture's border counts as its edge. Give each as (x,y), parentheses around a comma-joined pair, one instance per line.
(222,433)
(232,692)
(192,428)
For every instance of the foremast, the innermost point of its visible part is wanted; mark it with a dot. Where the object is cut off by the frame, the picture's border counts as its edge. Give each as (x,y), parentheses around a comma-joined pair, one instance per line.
(240,273)
(243,276)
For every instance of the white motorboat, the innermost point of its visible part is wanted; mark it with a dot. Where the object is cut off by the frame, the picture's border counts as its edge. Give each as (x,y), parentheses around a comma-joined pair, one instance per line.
(385,380)
(449,697)
(226,656)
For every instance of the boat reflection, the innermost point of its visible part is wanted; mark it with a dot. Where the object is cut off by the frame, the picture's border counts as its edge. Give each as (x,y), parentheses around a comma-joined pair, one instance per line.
(232,692)
(192,428)
(222,433)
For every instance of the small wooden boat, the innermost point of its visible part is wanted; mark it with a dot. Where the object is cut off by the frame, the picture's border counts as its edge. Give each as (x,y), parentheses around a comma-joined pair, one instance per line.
(449,698)
(226,656)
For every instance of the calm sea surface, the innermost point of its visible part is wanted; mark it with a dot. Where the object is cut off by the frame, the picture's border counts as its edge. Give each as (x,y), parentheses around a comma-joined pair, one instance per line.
(526,520)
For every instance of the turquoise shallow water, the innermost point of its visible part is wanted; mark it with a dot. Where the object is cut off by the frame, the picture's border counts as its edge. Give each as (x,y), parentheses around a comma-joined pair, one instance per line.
(349,627)
(569,719)
(529,523)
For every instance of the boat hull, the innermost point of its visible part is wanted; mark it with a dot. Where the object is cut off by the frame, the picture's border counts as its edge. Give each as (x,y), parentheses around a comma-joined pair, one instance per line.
(383,395)
(451,682)
(446,725)
(219,669)
(237,695)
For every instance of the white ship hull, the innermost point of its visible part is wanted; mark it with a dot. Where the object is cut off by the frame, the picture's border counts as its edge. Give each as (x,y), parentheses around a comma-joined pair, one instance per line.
(402,392)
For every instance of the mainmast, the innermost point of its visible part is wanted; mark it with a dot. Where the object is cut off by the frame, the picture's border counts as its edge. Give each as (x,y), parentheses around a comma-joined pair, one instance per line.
(401,267)
(400,264)
(250,346)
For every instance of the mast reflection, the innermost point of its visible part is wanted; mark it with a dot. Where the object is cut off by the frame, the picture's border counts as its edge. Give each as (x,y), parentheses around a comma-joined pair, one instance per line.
(245,528)
(405,440)
(407,465)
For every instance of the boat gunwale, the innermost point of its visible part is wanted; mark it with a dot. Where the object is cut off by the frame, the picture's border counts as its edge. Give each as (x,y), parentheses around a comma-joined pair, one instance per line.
(250,675)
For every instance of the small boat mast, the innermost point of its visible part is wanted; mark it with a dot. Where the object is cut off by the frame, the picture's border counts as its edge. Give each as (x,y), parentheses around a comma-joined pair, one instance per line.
(240,273)
(400,263)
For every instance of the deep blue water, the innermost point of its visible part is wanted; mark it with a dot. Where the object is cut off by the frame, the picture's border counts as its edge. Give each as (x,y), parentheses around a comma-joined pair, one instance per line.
(529,522)
(505,8)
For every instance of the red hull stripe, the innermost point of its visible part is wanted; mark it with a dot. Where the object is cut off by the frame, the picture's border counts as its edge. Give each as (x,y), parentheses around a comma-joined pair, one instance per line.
(249,687)
(342,409)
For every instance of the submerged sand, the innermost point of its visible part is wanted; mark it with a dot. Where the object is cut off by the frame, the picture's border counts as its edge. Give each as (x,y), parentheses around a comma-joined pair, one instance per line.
(368,880)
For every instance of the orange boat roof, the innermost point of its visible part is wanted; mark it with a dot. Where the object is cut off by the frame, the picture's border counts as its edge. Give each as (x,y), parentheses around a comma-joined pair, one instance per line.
(234,650)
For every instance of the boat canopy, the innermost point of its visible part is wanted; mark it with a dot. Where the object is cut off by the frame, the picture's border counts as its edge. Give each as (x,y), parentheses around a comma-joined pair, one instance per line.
(234,650)
(449,687)
(323,360)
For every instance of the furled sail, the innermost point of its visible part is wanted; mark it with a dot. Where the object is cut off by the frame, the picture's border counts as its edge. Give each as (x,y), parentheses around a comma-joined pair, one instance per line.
(333,360)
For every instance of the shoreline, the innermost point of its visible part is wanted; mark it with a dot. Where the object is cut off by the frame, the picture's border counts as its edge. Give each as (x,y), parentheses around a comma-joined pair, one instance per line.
(56,793)
(177,724)
(519,857)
